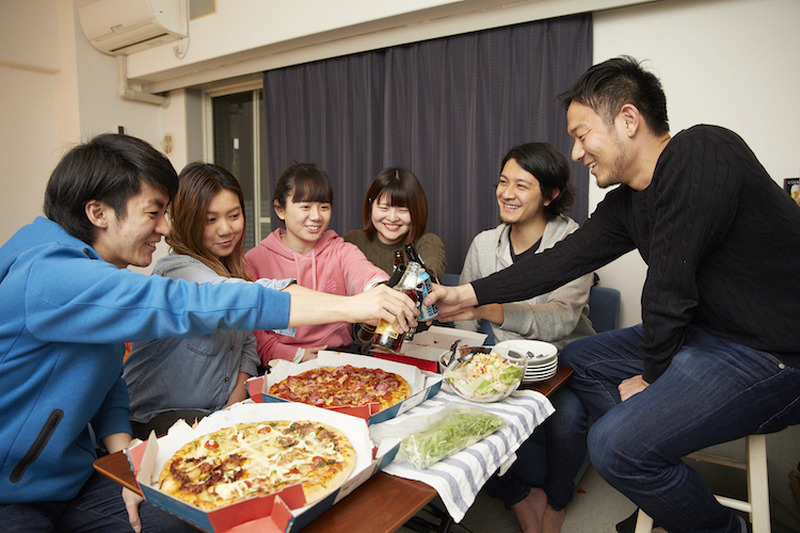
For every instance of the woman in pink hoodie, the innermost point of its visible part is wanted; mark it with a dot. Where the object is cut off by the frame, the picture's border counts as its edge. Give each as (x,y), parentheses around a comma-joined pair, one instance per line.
(315,256)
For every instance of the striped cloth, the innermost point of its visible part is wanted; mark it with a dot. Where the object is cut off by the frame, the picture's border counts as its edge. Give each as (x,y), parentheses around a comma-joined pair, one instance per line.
(459,478)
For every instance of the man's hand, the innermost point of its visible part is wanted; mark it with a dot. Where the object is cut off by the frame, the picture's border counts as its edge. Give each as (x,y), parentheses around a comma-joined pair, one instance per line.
(378,303)
(453,302)
(383,303)
(132,501)
(632,386)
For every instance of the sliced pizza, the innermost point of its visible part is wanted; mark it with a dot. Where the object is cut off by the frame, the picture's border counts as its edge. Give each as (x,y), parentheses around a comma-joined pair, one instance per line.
(343,386)
(258,459)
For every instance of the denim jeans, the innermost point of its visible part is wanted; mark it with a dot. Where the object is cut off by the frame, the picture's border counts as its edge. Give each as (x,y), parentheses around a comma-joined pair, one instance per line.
(98,507)
(565,439)
(713,391)
(552,458)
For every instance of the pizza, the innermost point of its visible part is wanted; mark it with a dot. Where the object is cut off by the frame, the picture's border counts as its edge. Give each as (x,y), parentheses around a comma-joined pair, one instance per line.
(258,459)
(343,386)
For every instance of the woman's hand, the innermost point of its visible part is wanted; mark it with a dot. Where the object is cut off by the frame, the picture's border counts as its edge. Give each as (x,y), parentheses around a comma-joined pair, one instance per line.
(239,390)
(311,352)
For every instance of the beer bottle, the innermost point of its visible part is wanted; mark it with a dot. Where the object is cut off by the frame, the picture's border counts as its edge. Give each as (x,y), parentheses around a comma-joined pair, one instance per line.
(386,338)
(411,253)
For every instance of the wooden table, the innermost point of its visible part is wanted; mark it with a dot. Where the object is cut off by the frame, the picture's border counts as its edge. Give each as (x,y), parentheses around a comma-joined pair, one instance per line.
(381,504)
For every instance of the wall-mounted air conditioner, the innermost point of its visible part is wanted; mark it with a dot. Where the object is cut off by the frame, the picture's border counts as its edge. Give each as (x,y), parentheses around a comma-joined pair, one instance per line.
(121,27)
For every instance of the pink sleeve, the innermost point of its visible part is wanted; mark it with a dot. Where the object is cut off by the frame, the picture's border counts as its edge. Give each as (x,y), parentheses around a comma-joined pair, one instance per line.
(357,269)
(268,346)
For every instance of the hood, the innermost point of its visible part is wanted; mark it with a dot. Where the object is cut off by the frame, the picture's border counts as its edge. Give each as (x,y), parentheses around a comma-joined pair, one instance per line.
(296,265)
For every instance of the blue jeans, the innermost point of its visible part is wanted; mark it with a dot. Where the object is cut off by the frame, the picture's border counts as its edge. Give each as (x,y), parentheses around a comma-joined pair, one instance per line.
(553,458)
(97,507)
(713,391)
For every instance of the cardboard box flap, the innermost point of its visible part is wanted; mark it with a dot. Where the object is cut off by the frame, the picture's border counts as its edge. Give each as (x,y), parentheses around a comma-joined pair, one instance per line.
(443,337)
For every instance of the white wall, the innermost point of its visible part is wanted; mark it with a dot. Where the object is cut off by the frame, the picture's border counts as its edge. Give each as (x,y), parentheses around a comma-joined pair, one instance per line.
(28,135)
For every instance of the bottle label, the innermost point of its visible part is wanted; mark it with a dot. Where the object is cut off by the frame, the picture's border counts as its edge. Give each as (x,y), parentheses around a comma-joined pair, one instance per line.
(385,328)
(423,288)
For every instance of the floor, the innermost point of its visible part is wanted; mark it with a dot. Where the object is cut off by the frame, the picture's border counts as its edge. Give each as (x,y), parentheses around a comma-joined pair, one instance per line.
(597,507)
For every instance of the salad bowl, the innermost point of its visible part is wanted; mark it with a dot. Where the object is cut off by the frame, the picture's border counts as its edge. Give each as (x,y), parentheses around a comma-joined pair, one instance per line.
(483,373)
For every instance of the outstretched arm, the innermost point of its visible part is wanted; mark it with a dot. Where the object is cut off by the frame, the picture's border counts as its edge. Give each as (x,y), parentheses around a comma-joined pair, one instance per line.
(454,303)
(378,303)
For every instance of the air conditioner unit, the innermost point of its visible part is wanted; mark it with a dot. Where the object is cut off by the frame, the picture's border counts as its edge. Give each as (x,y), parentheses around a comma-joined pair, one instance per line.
(122,27)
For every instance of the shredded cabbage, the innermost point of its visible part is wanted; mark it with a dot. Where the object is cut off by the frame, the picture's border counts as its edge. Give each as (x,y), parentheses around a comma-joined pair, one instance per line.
(460,427)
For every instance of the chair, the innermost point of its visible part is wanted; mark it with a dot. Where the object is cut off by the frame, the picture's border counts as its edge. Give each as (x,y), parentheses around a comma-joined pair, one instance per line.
(604,308)
(757,504)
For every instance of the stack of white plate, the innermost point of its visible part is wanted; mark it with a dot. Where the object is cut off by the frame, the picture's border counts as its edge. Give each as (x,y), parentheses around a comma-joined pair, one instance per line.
(542,358)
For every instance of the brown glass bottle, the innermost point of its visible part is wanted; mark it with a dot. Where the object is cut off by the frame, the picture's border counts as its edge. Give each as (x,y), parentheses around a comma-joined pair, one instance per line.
(386,337)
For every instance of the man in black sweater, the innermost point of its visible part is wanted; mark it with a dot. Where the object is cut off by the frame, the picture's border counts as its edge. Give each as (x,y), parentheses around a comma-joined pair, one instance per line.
(716,356)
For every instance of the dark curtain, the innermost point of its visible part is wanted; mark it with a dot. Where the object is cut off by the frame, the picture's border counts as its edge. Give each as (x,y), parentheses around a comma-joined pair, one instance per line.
(448,109)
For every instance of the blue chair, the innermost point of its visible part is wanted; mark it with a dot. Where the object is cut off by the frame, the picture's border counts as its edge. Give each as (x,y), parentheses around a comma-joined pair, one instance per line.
(604,308)
(451,280)
(484,326)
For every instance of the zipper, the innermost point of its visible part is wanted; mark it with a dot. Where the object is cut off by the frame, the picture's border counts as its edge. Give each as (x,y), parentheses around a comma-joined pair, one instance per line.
(38,445)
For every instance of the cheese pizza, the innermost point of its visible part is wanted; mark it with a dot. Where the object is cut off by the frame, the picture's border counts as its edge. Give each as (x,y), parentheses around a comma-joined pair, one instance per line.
(343,386)
(257,459)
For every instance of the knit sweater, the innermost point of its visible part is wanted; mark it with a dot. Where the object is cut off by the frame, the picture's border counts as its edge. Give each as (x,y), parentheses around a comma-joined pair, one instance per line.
(720,239)
(558,316)
(429,247)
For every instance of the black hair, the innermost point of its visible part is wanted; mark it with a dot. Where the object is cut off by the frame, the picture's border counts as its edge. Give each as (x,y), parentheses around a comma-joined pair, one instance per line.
(306,182)
(609,85)
(550,169)
(109,168)
(402,189)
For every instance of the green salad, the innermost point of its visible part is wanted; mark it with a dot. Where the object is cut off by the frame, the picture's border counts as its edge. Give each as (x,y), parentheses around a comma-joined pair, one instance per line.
(487,377)
(460,427)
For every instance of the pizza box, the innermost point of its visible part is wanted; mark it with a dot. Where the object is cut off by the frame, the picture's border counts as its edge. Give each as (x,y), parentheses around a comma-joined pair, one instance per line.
(423,384)
(284,512)
(428,346)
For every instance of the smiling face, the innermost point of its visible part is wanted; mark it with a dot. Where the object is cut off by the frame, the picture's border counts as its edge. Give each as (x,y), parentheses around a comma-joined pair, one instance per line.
(305,223)
(519,196)
(131,239)
(392,223)
(599,146)
(224,224)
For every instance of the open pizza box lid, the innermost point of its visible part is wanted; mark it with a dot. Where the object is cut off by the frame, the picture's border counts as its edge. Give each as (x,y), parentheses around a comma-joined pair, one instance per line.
(428,346)
(282,512)
(423,384)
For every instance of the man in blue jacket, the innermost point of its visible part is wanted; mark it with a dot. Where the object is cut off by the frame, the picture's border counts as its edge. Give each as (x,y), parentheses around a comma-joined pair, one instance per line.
(67,305)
